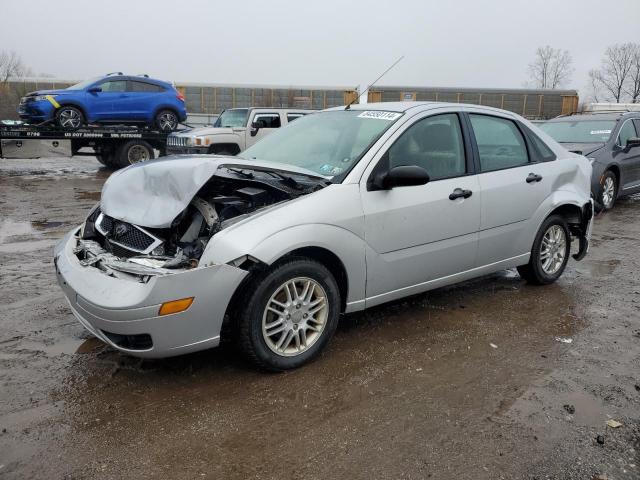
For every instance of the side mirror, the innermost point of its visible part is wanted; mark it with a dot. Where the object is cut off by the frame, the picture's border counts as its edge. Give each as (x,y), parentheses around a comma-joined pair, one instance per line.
(633,142)
(255,126)
(95,90)
(402,176)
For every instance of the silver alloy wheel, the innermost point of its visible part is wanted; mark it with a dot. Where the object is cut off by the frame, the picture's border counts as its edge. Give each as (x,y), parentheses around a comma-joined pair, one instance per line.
(69,118)
(608,191)
(137,153)
(167,121)
(295,316)
(553,249)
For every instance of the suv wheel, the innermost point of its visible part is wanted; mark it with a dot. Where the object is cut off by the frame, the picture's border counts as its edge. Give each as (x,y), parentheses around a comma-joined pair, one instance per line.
(608,190)
(550,252)
(289,315)
(69,118)
(166,120)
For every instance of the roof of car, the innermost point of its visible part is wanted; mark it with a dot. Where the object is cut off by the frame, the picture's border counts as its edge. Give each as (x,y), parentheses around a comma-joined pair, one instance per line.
(405,106)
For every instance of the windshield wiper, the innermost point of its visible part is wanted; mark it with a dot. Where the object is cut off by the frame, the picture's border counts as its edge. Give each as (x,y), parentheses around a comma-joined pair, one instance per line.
(241,172)
(286,179)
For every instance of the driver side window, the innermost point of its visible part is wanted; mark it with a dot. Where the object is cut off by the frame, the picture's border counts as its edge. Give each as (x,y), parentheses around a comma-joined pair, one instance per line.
(433,143)
(114,86)
(626,132)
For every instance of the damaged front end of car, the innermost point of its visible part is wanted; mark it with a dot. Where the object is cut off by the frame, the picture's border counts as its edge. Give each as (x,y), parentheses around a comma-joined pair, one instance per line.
(162,234)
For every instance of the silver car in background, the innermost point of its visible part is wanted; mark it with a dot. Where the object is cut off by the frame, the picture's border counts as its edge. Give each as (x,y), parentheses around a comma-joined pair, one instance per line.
(339,211)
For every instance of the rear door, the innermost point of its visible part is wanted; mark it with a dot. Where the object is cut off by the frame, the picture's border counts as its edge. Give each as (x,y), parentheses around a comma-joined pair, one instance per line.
(628,157)
(140,100)
(513,186)
(266,123)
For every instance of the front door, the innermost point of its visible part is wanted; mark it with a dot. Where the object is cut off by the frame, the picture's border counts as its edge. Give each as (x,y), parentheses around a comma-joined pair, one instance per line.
(419,234)
(103,104)
(628,157)
(261,125)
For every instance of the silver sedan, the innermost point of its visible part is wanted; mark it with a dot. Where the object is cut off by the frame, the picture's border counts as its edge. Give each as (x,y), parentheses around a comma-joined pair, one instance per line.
(339,211)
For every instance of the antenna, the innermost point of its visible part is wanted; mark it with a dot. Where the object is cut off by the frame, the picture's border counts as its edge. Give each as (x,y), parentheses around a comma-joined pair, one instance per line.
(373,83)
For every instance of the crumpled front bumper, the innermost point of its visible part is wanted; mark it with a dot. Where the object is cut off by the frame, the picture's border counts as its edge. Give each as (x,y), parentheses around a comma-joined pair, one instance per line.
(114,308)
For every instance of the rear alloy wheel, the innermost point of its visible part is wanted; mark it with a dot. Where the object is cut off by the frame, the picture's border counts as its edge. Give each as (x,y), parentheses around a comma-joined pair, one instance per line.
(608,190)
(550,252)
(289,314)
(167,120)
(69,118)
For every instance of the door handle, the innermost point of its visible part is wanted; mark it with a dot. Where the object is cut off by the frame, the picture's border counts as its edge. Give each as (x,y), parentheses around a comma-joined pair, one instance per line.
(534,177)
(460,193)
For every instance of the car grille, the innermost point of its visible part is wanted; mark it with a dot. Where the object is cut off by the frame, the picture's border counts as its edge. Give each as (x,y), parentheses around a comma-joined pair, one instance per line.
(177,141)
(126,235)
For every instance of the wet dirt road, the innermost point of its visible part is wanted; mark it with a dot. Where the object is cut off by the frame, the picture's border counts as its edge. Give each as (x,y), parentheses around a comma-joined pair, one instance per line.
(468,382)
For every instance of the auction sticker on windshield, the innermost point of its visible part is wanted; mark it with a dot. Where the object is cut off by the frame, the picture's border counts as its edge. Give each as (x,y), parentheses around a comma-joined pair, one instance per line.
(380,115)
(600,132)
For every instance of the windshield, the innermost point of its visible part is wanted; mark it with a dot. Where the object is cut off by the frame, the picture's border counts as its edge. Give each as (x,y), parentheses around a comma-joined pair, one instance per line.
(83,85)
(579,131)
(327,143)
(232,118)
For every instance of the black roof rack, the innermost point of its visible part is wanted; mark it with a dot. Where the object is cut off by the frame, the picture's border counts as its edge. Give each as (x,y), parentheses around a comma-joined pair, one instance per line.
(142,75)
(114,73)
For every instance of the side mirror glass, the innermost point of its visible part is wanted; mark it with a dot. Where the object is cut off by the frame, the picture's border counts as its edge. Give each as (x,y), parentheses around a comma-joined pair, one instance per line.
(95,90)
(255,126)
(402,176)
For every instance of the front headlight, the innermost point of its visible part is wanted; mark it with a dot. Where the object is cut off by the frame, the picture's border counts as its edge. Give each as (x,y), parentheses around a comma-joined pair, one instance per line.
(202,141)
(39,98)
(89,222)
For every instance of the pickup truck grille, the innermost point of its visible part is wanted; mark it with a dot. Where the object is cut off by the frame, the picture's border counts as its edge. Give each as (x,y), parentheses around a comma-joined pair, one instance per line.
(126,235)
(177,141)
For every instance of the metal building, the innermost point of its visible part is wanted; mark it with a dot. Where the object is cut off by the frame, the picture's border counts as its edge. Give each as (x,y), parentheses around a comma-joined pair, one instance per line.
(530,103)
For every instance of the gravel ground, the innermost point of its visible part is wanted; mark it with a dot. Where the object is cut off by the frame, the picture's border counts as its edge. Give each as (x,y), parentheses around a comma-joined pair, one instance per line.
(466,382)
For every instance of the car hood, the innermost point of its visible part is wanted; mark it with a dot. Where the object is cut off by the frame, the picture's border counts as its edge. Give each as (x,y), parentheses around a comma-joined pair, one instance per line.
(153,194)
(582,148)
(202,131)
(49,92)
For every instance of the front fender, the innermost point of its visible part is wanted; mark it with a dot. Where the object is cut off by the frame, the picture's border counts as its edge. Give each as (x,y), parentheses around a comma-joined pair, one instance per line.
(346,245)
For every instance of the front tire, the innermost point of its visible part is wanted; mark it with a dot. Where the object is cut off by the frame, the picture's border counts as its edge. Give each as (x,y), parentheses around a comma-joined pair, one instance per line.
(166,120)
(550,252)
(608,190)
(289,314)
(69,118)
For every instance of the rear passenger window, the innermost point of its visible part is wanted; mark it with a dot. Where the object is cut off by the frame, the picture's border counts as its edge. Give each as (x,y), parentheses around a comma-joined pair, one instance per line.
(542,151)
(500,143)
(435,144)
(267,120)
(144,87)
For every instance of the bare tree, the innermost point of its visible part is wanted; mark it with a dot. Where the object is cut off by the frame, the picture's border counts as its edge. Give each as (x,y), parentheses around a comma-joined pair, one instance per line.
(632,87)
(551,67)
(614,72)
(595,90)
(10,66)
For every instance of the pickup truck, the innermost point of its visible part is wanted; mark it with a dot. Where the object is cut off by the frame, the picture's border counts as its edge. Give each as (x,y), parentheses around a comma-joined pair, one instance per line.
(235,130)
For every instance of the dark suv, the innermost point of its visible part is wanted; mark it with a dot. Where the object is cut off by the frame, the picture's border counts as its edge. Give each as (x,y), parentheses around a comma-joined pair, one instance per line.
(611,142)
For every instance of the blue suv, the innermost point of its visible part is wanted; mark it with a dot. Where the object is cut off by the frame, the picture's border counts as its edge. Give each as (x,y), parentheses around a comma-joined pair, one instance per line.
(114,98)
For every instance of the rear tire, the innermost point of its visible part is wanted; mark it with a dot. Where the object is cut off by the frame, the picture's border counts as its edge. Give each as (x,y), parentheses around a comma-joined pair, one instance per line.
(69,117)
(166,120)
(608,190)
(107,159)
(134,151)
(549,254)
(279,330)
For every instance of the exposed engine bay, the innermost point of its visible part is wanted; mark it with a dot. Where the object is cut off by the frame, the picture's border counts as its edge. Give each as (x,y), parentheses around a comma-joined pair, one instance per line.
(230,195)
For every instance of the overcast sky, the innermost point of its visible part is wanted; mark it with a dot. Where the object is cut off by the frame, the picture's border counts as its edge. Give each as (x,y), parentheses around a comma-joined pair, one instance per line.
(457,43)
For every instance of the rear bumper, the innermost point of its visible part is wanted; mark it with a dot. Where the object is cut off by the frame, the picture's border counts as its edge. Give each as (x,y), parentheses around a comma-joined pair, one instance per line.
(124,313)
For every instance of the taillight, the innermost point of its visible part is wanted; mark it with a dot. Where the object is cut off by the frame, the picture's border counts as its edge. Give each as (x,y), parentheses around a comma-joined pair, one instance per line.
(179,96)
